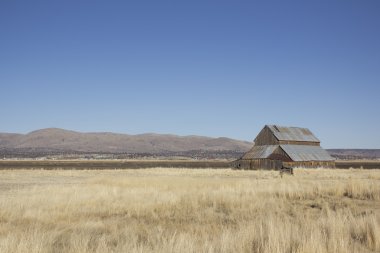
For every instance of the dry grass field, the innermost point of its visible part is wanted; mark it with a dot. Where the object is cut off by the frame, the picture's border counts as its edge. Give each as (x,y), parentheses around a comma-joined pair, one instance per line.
(189,210)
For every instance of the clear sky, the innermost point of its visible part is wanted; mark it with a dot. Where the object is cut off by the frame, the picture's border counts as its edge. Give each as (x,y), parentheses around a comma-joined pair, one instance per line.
(213,68)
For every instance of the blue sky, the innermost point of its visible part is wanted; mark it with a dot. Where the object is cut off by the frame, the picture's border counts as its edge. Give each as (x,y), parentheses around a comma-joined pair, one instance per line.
(213,68)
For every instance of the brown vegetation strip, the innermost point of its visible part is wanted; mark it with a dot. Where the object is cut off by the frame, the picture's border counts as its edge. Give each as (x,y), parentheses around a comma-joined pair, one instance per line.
(113,164)
(140,164)
(365,164)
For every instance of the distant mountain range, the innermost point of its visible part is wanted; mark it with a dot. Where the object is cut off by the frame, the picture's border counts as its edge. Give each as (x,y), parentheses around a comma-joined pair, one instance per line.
(64,140)
(55,140)
(355,153)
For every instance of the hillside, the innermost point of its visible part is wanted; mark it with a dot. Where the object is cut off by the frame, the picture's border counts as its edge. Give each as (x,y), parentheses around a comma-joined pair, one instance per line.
(355,153)
(54,139)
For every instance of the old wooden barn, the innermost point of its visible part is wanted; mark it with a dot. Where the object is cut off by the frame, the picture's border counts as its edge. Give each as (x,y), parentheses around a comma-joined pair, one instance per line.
(277,146)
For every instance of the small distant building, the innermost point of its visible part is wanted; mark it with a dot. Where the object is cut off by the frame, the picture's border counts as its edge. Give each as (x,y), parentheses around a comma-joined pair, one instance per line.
(277,146)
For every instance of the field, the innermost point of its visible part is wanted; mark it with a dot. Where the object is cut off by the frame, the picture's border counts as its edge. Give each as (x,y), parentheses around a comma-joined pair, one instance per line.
(189,210)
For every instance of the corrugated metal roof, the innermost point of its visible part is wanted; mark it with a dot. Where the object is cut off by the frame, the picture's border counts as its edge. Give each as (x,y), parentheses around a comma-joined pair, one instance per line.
(300,153)
(260,152)
(292,133)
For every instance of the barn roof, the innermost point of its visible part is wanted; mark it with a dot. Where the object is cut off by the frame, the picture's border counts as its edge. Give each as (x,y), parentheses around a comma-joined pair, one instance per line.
(297,153)
(300,153)
(292,134)
(258,152)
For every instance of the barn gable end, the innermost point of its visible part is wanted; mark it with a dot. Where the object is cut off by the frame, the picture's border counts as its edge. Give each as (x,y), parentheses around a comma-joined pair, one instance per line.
(266,137)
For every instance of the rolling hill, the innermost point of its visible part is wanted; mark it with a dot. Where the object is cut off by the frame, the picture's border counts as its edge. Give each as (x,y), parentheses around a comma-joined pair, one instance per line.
(355,153)
(55,139)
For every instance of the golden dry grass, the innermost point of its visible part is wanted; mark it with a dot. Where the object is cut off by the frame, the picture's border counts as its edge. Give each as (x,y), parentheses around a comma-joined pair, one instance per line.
(189,210)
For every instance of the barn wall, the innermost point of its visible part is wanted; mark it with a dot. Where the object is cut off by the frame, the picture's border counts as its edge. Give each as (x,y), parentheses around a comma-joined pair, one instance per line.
(256,164)
(241,164)
(265,137)
(311,164)
(280,154)
(265,164)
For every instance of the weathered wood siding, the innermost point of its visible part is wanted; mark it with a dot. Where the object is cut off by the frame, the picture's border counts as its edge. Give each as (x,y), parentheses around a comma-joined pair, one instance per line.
(266,137)
(241,164)
(257,164)
(311,164)
(280,154)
